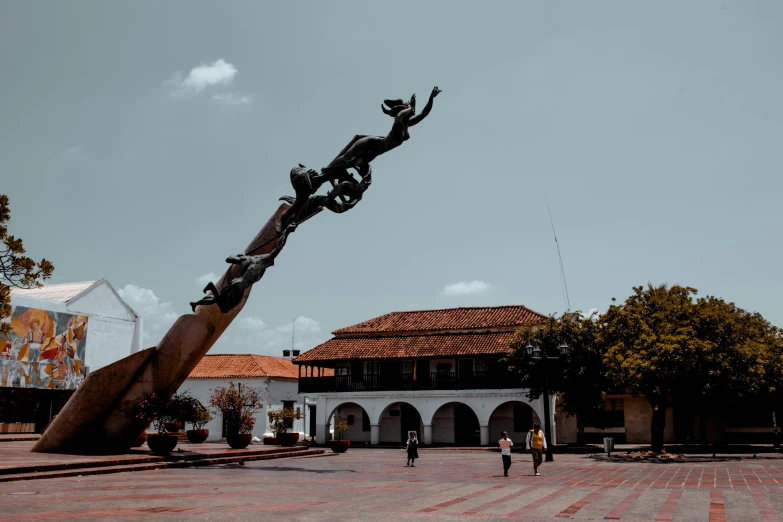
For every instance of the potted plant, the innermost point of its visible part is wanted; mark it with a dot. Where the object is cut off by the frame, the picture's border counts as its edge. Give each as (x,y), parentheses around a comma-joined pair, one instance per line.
(340,445)
(155,408)
(238,404)
(282,420)
(180,408)
(198,416)
(269,440)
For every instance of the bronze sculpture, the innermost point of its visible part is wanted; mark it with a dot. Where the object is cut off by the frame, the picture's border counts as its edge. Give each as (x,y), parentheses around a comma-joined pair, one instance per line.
(357,155)
(99,417)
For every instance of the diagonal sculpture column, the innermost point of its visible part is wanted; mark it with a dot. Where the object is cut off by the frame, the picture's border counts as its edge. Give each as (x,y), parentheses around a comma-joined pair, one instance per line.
(98,419)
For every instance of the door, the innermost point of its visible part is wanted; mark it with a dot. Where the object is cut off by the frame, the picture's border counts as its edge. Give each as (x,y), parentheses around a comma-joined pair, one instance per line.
(311,416)
(465,374)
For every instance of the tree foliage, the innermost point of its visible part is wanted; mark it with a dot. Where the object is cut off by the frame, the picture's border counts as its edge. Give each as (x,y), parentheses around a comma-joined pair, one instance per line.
(579,378)
(16,270)
(702,354)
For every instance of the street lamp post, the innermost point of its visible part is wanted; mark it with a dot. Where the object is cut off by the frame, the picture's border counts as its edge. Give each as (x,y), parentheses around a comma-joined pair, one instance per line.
(536,353)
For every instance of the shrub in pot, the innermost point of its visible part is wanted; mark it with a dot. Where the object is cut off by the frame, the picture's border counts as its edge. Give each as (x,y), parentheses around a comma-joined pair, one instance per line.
(198,416)
(155,408)
(238,404)
(270,440)
(340,445)
(281,420)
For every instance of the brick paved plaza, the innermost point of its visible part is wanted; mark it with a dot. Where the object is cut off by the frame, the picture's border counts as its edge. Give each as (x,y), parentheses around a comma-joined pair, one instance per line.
(375,484)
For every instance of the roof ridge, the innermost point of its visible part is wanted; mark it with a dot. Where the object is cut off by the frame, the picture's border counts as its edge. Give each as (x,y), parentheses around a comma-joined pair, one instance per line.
(460,308)
(63,284)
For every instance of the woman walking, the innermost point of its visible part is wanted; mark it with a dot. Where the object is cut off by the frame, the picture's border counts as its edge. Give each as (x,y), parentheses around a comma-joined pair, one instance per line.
(411,447)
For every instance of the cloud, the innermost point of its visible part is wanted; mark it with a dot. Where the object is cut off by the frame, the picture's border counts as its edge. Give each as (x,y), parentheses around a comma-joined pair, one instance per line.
(466,287)
(218,73)
(226,98)
(158,316)
(247,334)
(206,278)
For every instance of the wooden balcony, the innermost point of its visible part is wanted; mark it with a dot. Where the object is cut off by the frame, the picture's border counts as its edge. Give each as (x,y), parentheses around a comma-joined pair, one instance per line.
(405,382)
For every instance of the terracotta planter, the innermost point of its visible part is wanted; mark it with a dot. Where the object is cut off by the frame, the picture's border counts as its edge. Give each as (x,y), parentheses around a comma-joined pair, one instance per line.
(270,441)
(239,440)
(172,427)
(287,439)
(197,436)
(161,444)
(140,440)
(339,446)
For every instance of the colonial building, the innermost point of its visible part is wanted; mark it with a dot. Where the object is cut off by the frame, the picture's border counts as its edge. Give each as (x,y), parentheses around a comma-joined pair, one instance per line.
(275,377)
(435,372)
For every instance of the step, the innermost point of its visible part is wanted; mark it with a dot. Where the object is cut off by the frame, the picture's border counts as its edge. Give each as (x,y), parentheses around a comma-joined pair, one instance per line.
(157,465)
(142,457)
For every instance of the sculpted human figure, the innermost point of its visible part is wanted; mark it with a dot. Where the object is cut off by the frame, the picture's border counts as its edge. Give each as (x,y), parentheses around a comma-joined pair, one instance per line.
(252,268)
(361,150)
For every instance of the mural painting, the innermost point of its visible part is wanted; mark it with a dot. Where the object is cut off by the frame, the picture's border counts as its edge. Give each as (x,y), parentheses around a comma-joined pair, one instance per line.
(44,350)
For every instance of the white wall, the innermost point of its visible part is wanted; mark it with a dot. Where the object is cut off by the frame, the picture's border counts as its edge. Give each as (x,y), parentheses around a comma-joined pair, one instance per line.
(276,391)
(111,329)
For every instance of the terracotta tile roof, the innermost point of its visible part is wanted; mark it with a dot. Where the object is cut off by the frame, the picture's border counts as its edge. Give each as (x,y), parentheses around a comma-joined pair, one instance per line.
(407,347)
(450,319)
(228,366)
(60,292)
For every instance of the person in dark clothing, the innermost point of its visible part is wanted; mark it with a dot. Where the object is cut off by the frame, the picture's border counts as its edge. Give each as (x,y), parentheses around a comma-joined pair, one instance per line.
(411,447)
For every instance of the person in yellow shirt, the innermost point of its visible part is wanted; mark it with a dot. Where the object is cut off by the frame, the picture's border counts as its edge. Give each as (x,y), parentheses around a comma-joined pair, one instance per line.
(536,445)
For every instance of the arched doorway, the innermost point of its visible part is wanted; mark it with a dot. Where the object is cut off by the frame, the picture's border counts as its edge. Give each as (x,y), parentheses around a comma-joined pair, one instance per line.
(358,422)
(397,420)
(515,417)
(456,423)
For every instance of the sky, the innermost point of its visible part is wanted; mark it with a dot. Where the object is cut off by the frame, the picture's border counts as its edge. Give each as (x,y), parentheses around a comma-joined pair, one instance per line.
(143,142)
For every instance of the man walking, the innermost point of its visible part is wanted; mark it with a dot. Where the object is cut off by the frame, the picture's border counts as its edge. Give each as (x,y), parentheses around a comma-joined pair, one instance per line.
(536,445)
(505,445)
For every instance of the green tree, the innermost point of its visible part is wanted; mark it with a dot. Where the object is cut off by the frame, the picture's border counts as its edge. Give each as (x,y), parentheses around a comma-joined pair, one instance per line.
(732,359)
(580,378)
(702,354)
(16,270)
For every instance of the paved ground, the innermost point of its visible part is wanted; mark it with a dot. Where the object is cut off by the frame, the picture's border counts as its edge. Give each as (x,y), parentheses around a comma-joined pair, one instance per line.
(368,484)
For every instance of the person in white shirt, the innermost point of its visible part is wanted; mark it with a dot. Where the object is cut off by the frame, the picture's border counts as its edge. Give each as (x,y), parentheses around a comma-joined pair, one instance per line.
(505,446)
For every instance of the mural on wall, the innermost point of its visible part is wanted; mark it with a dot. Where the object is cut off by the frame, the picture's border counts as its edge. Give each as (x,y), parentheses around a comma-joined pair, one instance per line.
(44,350)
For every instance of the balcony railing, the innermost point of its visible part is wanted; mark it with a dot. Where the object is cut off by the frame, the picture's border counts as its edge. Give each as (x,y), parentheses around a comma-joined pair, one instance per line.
(400,382)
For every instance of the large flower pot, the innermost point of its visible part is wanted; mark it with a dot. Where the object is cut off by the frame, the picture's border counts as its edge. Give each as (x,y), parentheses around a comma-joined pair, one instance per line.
(161,444)
(270,441)
(239,440)
(287,439)
(140,440)
(172,427)
(197,436)
(339,446)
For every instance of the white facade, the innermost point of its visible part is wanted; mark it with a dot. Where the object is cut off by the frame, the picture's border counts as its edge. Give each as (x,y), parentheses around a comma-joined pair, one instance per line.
(276,390)
(114,330)
(493,410)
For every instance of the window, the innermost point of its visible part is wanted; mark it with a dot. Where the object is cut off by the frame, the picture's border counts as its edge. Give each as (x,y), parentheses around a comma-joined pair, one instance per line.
(406,368)
(482,366)
(610,416)
(341,370)
(373,368)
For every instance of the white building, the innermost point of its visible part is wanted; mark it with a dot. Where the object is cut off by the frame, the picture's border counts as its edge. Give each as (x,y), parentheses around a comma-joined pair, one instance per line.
(275,377)
(435,372)
(113,330)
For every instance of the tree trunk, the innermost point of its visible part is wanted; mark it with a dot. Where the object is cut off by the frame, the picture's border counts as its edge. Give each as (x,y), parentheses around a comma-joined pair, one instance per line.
(702,429)
(658,426)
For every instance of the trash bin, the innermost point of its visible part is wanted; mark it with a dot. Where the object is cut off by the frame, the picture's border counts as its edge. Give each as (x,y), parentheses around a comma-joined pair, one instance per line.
(608,445)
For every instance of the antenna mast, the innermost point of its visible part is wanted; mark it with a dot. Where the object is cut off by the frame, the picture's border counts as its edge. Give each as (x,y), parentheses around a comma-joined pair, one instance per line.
(293,332)
(564,285)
